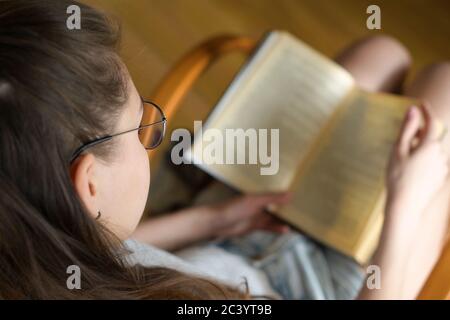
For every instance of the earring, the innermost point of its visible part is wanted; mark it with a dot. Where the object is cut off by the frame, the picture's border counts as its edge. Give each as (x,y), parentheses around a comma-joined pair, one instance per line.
(99,215)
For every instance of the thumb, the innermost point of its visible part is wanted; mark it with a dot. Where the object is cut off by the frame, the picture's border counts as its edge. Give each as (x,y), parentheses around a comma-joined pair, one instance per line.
(276,201)
(410,128)
(271,199)
(433,129)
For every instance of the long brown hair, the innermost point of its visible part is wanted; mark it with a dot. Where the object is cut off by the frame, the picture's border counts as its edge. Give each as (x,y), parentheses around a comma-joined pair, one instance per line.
(58,89)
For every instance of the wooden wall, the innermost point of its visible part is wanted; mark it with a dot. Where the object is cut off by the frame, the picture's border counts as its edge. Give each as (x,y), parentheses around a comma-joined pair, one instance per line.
(157,32)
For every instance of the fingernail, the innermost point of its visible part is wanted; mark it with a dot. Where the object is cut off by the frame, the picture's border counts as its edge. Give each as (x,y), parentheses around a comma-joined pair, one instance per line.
(272,207)
(411,111)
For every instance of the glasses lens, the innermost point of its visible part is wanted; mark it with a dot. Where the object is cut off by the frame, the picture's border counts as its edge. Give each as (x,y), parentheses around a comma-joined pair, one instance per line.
(152,135)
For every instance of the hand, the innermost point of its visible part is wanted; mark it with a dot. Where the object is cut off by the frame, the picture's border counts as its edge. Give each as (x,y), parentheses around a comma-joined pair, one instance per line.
(416,213)
(247,213)
(418,166)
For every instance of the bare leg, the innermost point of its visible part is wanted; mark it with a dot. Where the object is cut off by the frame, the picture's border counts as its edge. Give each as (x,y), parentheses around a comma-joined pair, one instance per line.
(377,63)
(433,85)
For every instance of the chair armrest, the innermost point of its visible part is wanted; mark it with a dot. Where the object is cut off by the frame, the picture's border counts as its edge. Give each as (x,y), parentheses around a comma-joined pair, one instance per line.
(437,286)
(176,84)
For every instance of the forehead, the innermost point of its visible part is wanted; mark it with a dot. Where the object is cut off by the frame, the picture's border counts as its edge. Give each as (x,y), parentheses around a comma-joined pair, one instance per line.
(133,95)
(130,116)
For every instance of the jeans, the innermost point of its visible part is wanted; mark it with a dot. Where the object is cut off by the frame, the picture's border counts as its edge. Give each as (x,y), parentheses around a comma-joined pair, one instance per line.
(298,267)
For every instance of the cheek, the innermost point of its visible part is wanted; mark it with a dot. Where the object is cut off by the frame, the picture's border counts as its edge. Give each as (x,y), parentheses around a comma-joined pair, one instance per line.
(134,185)
(144,164)
(139,168)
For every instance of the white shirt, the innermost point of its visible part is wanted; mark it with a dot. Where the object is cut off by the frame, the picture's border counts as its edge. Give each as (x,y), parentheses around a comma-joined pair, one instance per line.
(204,261)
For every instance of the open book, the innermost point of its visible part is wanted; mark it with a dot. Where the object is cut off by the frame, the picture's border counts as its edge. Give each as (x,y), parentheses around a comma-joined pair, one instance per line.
(334,142)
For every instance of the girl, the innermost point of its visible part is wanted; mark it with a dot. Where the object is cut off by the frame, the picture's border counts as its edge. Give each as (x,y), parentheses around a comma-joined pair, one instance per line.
(74,179)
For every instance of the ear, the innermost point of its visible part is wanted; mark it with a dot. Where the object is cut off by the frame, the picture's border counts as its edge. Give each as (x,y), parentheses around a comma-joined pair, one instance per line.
(82,172)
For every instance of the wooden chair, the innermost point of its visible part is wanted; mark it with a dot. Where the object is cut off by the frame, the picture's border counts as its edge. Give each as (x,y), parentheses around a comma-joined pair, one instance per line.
(180,79)
(438,283)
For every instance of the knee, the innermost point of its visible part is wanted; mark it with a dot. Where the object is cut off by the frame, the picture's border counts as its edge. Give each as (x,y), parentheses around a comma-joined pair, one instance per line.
(438,70)
(432,85)
(378,63)
(434,77)
(388,47)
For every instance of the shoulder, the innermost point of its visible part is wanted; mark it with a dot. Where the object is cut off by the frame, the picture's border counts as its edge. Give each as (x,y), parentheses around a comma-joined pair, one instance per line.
(150,256)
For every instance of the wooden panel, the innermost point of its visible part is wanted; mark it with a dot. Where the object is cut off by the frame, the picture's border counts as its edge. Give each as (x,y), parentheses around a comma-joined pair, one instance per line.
(158,32)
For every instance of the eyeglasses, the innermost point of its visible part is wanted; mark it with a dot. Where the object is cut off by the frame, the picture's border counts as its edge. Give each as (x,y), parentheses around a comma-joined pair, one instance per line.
(150,134)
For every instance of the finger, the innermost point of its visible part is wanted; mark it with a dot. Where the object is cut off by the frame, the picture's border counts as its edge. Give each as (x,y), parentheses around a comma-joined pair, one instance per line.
(268,199)
(410,128)
(278,228)
(263,201)
(271,223)
(433,129)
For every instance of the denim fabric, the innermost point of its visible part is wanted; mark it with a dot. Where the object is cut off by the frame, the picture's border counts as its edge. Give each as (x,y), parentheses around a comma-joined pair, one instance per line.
(298,267)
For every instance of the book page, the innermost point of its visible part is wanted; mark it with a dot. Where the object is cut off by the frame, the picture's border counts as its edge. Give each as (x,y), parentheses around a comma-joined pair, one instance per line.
(339,186)
(286,86)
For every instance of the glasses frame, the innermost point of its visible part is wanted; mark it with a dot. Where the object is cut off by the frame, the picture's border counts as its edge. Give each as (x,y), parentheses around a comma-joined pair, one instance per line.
(102,139)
